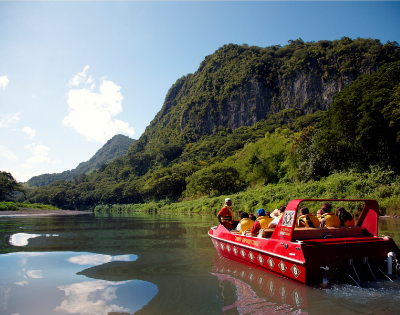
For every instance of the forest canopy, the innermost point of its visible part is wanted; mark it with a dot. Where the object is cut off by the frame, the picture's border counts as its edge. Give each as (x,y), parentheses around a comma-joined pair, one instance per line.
(189,150)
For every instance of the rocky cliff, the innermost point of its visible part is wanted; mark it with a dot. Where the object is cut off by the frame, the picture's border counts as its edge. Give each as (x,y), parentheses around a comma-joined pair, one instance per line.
(239,85)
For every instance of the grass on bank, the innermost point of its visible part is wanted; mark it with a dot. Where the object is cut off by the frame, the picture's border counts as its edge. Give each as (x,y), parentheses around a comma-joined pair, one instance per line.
(378,184)
(15,206)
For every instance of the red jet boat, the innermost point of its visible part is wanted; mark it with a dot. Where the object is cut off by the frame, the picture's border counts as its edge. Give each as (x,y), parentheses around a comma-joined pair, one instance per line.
(315,255)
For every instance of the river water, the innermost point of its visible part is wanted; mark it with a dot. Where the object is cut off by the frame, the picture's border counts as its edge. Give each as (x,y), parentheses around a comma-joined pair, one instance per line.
(146,263)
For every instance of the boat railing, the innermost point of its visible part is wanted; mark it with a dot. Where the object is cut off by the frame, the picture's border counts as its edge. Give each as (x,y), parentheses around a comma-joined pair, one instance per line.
(319,233)
(368,220)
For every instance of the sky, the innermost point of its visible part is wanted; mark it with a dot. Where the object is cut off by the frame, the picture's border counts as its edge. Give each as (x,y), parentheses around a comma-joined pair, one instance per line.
(74,74)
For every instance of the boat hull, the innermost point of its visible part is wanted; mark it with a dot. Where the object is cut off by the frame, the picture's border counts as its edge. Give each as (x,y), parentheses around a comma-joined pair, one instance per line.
(313,255)
(307,261)
(247,249)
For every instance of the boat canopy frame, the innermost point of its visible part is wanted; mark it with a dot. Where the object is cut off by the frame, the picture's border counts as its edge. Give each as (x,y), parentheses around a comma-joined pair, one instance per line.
(368,219)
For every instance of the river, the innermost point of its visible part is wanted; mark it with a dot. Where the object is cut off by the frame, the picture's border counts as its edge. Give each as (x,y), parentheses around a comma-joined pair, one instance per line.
(147,263)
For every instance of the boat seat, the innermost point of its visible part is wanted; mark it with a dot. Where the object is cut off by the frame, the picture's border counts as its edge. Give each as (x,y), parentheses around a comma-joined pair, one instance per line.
(319,233)
(266,233)
(327,232)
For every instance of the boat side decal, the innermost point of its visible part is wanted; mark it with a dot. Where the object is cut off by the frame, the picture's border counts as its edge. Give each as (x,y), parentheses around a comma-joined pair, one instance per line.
(236,251)
(282,266)
(271,263)
(295,271)
(251,256)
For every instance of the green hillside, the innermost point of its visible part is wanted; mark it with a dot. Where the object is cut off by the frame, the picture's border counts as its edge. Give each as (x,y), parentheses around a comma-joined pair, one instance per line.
(114,148)
(253,117)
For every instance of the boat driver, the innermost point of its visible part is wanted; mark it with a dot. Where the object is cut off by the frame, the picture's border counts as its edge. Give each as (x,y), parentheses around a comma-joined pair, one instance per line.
(225,215)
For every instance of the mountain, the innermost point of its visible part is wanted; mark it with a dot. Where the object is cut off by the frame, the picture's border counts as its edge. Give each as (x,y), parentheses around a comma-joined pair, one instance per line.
(253,116)
(116,147)
(239,86)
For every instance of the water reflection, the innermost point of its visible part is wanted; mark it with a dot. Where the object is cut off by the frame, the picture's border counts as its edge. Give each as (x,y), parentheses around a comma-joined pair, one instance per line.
(91,297)
(21,239)
(257,291)
(53,282)
(152,264)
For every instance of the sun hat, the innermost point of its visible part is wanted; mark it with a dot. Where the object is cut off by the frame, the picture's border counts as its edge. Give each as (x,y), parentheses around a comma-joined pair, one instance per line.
(227,199)
(275,213)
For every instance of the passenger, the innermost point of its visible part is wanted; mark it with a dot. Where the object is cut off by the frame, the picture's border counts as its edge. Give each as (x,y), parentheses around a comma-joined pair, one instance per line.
(252,217)
(275,221)
(346,219)
(328,219)
(261,223)
(275,214)
(225,215)
(306,219)
(245,223)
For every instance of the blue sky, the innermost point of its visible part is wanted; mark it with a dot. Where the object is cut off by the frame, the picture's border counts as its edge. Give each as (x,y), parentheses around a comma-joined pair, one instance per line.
(73,74)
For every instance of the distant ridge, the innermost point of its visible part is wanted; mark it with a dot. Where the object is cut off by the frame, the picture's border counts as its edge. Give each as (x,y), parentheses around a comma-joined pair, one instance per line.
(116,147)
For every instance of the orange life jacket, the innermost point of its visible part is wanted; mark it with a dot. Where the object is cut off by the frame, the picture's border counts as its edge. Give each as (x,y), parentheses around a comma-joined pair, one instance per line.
(228,218)
(349,222)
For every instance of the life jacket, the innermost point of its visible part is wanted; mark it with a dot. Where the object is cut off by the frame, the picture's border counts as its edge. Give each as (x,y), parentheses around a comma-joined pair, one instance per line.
(331,219)
(246,224)
(264,221)
(314,220)
(227,218)
(349,222)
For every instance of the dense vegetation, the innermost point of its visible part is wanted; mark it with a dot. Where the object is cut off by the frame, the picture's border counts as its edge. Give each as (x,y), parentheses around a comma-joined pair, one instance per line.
(114,148)
(378,184)
(290,151)
(8,186)
(362,128)
(15,206)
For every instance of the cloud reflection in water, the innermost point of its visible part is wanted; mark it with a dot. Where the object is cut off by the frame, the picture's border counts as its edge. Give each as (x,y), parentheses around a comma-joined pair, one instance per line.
(99,259)
(91,297)
(55,279)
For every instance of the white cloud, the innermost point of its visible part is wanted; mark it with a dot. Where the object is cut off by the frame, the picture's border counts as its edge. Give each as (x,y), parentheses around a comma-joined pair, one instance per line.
(91,295)
(22,283)
(9,119)
(5,152)
(29,131)
(4,81)
(34,274)
(40,155)
(21,239)
(79,77)
(97,259)
(90,113)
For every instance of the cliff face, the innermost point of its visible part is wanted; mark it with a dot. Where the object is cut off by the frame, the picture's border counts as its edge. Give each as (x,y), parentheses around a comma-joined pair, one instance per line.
(305,90)
(239,85)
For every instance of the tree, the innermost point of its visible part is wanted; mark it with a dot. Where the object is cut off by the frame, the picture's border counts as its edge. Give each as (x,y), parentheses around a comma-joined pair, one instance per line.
(8,185)
(220,178)
(361,128)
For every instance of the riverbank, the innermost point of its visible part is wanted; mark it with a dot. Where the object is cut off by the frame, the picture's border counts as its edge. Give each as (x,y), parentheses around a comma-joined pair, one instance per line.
(337,186)
(39,212)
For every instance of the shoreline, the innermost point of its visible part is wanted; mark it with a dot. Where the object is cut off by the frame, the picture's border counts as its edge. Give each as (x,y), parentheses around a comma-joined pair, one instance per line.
(40,212)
